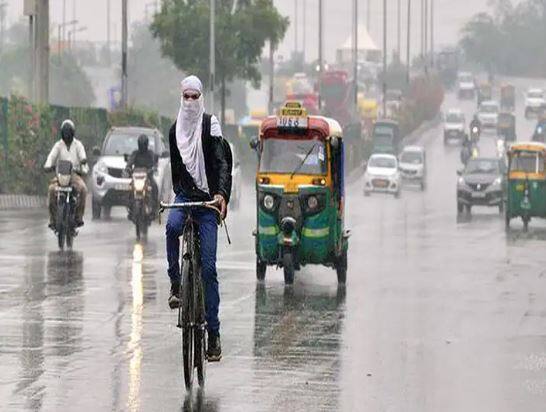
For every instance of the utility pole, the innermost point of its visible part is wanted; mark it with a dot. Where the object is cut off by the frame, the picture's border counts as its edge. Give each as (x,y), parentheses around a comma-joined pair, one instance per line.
(368,17)
(108,37)
(271,76)
(304,30)
(63,37)
(355,51)
(74,19)
(320,59)
(432,33)
(422,31)
(295,28)
(124,97)
(3,7)
(42,52)
(399,44)
(29,9)
(212,56)
(384,57)
(426,36)
(408,58)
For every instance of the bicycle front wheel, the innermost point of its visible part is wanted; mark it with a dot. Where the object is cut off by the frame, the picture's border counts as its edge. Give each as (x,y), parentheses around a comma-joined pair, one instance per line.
(187,319)
(200,330)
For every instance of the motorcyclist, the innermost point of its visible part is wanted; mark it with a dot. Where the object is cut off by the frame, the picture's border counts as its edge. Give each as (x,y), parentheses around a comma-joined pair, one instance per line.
(144,158)
(466,149)
(475,124)
(71,149)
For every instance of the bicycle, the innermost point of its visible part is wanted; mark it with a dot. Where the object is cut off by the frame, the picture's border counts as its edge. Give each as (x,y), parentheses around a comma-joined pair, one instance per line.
(191,312)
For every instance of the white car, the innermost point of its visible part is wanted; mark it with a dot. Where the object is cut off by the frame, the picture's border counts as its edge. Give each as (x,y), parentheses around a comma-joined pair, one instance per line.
(413,165)
(235,199)
(454,125)
(382,175)
(488,114)
(534,101)
(466,87)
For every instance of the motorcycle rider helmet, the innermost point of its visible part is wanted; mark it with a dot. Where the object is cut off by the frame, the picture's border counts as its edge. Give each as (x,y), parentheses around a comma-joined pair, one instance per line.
(142,143)
(68,130)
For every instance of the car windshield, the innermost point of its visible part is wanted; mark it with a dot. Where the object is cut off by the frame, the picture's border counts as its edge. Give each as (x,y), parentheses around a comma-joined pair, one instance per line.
(454,118)
(285,155)
(382,161)
(415,158)
(119,144)
(465,78)
(481,166)
(535,94)
(528,162)
(489,108)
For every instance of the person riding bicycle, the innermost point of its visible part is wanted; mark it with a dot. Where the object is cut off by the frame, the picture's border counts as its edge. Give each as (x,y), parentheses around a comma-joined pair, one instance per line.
(144,158)
(200,172)
(71,149)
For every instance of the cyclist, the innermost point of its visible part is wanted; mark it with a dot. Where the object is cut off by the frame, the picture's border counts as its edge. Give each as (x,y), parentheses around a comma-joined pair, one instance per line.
(200,172)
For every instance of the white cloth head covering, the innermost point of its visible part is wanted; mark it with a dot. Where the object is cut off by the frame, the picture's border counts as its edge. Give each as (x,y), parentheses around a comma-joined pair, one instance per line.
(188,132)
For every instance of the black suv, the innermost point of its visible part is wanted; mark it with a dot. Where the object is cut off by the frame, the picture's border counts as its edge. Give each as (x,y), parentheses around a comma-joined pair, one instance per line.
(481,183)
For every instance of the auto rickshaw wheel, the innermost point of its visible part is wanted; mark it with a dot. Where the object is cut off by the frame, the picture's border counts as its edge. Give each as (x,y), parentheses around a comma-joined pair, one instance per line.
(288,267)
(526,220)
(341,268)
(507,220)
(261,268)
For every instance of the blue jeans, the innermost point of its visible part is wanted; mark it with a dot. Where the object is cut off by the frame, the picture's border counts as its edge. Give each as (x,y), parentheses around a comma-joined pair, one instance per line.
(208,235)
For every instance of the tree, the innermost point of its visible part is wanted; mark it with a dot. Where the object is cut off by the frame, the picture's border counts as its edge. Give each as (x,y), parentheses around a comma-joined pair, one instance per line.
(242,29)
(153,78)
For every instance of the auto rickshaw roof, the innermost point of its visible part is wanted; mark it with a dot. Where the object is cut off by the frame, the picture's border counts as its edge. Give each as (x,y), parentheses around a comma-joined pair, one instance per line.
(528,146)
(325,125)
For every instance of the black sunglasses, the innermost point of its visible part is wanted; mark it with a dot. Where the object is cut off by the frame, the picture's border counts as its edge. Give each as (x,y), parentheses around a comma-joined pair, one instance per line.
(191,96)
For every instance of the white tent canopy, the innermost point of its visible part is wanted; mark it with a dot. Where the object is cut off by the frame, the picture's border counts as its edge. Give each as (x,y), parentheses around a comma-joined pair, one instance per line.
(365,42)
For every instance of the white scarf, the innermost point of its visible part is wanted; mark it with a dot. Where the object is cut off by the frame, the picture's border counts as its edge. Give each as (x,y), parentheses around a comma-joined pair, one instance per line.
(188,133)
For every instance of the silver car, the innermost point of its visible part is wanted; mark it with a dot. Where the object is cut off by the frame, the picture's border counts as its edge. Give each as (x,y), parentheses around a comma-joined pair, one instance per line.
(110,186)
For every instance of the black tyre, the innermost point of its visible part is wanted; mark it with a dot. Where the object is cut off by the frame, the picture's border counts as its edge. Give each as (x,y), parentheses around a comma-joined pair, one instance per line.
(423,185)
(526,223)
(200,357)
(69,230)
(106,210)
(261,268)
(96,209)
(506,220)
(187,319)
(61,230)
(468,209)
(460,207)
(341,268)
(288,267)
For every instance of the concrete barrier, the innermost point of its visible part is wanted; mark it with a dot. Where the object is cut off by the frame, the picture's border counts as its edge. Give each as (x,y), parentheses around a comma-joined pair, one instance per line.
(22,202)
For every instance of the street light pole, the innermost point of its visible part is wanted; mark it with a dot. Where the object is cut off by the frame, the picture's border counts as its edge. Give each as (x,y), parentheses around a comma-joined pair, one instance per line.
(408,62)
(399,44)
(355,51)
(384,57)
(212,56)
(295,27)
(432,33)
(320,59)
(108,35)
(3,6)
(304,30)
(124,97)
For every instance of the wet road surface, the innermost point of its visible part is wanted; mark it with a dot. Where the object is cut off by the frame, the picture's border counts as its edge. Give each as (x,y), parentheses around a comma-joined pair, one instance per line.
(440,313)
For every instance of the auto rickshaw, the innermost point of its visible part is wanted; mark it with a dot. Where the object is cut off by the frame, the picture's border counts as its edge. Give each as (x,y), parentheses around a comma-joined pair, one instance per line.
(506,126)
(508,97)
(485,93)
(300,194)
(368,113)
(526,192)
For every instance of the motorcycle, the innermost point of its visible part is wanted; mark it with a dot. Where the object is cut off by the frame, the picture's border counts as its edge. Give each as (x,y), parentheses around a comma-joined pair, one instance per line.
(141,210)
(475,134)
(67,199)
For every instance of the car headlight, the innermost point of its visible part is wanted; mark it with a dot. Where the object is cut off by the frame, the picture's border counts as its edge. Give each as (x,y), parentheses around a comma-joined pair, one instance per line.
(461,181)
(101,167)
(269,202)
(497,182)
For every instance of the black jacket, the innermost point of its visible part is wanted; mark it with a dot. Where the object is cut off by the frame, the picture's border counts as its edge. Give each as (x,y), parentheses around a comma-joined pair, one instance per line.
(145,160)
(216,166)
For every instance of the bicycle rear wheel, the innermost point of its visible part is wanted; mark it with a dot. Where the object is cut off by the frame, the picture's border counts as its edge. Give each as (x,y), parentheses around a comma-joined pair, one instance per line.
(187,314)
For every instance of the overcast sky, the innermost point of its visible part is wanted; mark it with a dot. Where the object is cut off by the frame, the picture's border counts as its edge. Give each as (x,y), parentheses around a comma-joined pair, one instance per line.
(450,15)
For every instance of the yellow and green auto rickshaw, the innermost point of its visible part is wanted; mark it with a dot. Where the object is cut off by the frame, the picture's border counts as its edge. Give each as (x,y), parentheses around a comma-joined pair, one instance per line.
(300,194)
(526,194)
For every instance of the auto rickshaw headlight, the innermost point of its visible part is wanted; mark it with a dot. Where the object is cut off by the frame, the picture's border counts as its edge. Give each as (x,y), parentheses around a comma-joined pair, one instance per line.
(269,202)
(312,202)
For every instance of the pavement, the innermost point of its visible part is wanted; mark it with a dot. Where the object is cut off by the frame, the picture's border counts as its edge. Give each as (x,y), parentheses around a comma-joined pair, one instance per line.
(440,312)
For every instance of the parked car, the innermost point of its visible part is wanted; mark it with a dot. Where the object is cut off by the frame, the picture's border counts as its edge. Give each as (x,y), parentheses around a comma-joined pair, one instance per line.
(382,175)
(110,185)
(413,165)
(481,183)
(535,101)
(454,125)
(488,114)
